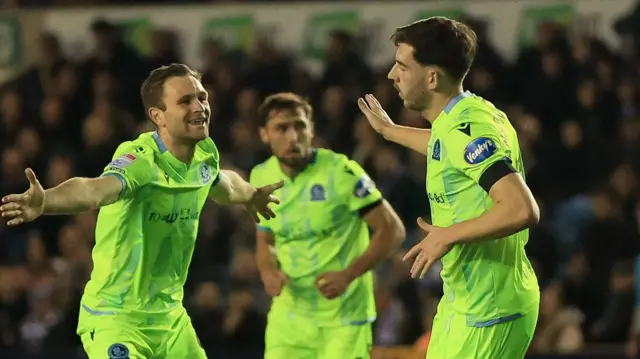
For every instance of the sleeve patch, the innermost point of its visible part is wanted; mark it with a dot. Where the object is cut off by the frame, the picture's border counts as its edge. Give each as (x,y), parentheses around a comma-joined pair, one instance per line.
(123,161)
(364,187)
(115,169)
(479,150)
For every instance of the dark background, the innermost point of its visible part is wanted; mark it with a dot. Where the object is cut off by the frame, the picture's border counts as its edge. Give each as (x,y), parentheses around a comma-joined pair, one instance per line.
(575,103)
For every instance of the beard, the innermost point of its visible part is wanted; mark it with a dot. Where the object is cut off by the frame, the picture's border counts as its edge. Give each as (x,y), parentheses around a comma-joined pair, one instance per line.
(296,164)
(419,100)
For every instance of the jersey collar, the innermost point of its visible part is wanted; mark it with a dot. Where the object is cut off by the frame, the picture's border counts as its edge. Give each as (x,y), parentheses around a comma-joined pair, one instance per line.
(312,161)
(449,107)
(177,165)
(454,101)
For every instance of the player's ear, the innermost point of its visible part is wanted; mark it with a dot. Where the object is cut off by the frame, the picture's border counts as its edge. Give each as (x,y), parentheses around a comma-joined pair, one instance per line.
(155,114)
(432,78)
(263,135)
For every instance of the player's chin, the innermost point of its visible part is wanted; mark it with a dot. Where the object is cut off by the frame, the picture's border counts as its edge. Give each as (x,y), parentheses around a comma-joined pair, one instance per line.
(293,160)
(199,133)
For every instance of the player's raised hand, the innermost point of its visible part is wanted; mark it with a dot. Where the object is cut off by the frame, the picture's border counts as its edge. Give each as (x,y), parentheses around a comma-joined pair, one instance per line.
(434,246)
(25,207)
(273,280)
(259,203)
(374,112)
(333,284)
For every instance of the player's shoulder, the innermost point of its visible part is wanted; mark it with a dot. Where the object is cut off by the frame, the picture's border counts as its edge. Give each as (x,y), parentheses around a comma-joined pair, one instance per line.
(267,165)
(263,171)
(339,163)
(326,158)
(474,117)
(142,147)
(329,158)
(473,109)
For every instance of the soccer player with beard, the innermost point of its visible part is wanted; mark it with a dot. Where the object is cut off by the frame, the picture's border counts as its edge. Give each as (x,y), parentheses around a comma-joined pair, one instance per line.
(150,198)
(480,205)
(319,271)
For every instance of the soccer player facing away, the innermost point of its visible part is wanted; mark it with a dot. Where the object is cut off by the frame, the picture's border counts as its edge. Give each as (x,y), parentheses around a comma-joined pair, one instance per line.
(319,271)
(480,205)
(150,198)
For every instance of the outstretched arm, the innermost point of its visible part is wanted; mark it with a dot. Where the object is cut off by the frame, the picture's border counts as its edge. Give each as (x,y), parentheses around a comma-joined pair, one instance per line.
(129,170)
(416,139)
(81,194)
(233,189)
(72,196)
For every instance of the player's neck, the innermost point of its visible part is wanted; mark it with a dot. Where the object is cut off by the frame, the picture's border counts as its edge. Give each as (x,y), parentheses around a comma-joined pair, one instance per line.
(183,152)
(439,102)
(292,171)
(289,171)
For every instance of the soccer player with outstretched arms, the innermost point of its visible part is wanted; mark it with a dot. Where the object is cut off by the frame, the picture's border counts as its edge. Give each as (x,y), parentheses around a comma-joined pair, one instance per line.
(315,258)
(480,204)
(150,198)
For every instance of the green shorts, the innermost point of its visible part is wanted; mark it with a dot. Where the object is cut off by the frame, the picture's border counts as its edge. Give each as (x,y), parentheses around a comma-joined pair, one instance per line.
(115,336)
(299,338)
(451,338)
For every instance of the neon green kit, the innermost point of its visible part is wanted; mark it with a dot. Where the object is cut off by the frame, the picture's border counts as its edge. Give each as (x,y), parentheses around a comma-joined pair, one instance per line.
(491,293)
(132,305)
(319,228)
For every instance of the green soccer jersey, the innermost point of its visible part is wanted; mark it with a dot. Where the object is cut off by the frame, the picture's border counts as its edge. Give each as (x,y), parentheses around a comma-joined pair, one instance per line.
(473,145)
(145,240)
(319,228)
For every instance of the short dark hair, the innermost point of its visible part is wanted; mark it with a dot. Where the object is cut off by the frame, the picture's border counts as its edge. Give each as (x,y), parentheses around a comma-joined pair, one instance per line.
(283,101)
(152,88)
(439,41)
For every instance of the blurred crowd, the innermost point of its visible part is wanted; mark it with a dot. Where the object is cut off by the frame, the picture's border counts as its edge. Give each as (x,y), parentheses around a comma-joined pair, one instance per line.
(40,3)
(576,105)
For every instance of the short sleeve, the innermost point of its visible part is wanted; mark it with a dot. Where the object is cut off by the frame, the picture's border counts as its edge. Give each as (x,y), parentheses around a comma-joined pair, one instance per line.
(480,151)
(255,179)
(360,191)
(133,164)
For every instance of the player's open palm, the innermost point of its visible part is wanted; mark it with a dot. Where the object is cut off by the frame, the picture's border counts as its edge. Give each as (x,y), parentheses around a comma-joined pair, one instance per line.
(259,203)
(374,112)
(25,207)
(434,246)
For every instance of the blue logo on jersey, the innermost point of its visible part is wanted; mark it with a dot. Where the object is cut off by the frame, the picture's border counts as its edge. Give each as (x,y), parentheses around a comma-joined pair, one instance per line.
(205,173)
(318,193)
(118,351)
(364,187)
(479,150)
(436,151)
(123,161)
